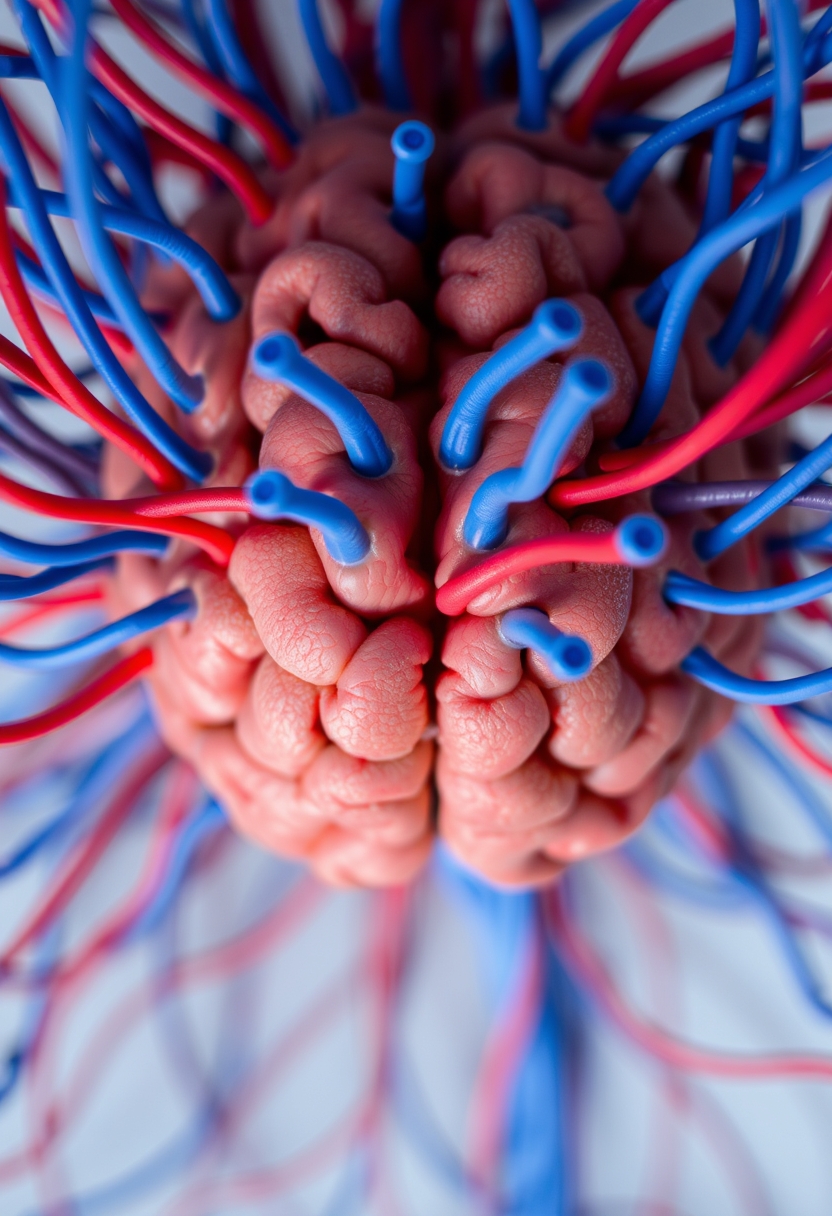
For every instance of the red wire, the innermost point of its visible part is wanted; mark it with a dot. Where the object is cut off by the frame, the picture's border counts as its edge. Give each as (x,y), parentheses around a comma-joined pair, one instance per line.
(118,677)
(29,140)
(659,1043)
(785,357)
(637,88)
(229,168)
(578,124)
(454,597)
(217,543)
(224,98)
(62,889)
(66,388)
(190,502)
(776,717)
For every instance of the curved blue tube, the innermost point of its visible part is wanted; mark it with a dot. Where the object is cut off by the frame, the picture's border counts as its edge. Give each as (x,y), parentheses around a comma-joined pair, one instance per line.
(680,589)
(710,542)
(785,144)
(180,605)
(185,390)
(193,463)
(278,357)
(389,58)
(743,68)
(236,65)
(273,496)
(337,84)
(528,42)
(613,126)
(805,542)
(555,325)
(602,23)
(705,669)
(412,145)
(37,554)
(567,655)
(220,299)
(768,308)
(694,269)
(38,283)
(584,386)
(15,587)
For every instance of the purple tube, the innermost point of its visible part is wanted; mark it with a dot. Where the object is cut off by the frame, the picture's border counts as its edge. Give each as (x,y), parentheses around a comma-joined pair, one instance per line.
(79,471)
(676,497)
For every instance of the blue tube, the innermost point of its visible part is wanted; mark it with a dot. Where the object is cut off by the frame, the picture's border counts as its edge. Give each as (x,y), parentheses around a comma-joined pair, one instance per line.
(805,542)
(528,42)
(389,58)
(743,68)
(337,84)
(37,554)
(585,385)
(768,308)
(38,283)
(185,390)
(694,269)
(181,605)
(791,777)
(556,325)
(705,669)
(567,655)
(220,299)
(602,23)
(237,67)
(613,126)
(273,496)
(278,357)
(710,542)
(193,463)
(412,145)
(680,589)
(785,143)
(15,587)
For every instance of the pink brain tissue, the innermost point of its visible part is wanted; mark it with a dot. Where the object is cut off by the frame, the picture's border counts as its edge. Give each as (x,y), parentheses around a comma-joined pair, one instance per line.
(338,713)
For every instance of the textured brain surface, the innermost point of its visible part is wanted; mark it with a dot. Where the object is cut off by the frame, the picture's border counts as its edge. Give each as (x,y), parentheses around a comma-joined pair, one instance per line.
(338,717)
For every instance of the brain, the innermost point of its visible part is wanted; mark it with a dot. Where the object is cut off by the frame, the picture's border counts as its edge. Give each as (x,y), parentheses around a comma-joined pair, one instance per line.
(338,715)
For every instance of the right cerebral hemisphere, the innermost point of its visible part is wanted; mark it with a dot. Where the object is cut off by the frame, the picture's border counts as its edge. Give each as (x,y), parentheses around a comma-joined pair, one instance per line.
(337,716)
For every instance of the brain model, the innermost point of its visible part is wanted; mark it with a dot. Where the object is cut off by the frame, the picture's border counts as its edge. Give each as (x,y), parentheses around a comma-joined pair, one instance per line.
(337,713)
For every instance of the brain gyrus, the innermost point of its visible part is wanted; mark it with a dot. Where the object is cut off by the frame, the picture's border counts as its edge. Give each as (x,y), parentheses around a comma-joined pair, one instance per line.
(338,715)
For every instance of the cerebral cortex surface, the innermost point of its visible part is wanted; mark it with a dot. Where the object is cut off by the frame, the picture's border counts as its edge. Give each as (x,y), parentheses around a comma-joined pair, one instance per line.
(335,713)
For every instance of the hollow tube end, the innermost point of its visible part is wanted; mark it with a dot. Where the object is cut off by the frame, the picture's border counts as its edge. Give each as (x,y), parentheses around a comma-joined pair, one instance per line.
(641,540)
(266,493)
(559,321)
(274,355)
(413,141)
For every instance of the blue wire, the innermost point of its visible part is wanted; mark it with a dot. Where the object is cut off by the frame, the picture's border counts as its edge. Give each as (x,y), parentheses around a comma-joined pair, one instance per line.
(599,25)
(412,143)
(694,269)
(556,325)
(389,58)
(705,669)
(278,357)
(185,390)
(793,781)
(584,386)
(613,126)
(681,589)
(22,587)
(178,606)
(337,84)
(36,280)
(193,463)
(768,309)
(722,897)
(743,68)
(811,541)
(236,65)
(220,299)
(273,496)
(710,542)
(567,655)
(204,43)
(37,554)
(528,42)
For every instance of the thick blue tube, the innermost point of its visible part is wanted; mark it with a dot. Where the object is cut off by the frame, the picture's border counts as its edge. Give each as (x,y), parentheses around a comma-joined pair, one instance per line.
(584,386)
(185,390)
(193,463)
(337,84)
(389,58)
(768,308)
(556,325)
(121,541)
(220,299)
(681,589)
(278,357)
(602,23)
(528,42)
(705,669)
(180,605)
(14,587)
(694,269)
(38,283)
(710,542)
(273,496)
(236,65)
(412,145)
(567,655)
